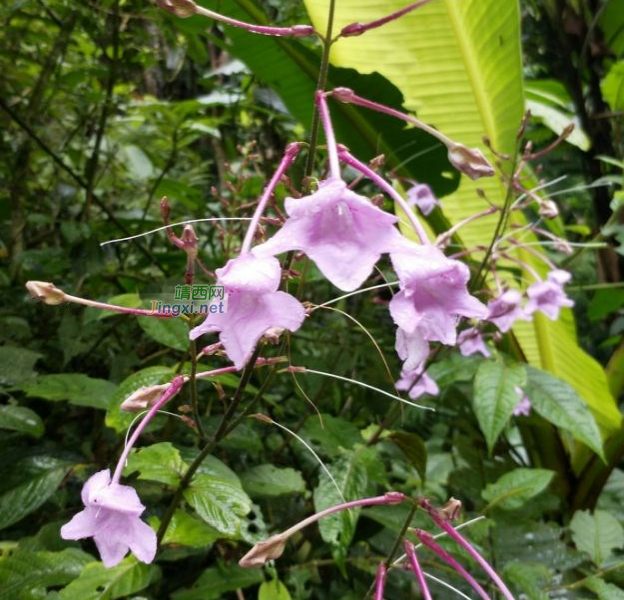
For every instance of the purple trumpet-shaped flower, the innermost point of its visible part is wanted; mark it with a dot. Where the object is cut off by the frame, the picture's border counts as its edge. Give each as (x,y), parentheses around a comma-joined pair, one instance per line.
(427,540)
(548,296)
(470,341)
(254,306)
(410,550)
(416,383)
(441,519)
(505,310)
(341,231)
(433,292)
(421,195)
(112,518)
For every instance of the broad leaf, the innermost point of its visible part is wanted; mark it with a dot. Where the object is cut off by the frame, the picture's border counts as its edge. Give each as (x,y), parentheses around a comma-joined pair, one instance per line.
(187,530)
(273,590)
(21,419)
(414,449)
(598,534)
(556,401)
(17,365)
(213,583)
(76,388)
(171,332)
(495,397)
(604,590)
(268,480)
(515,488)
(159,462)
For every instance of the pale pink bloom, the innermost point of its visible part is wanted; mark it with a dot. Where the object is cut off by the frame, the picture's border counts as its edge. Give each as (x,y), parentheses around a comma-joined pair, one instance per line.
(470,341)
(416,383)
(254,306)
(433,292)
(548,296)
(420,195)
(505,310)
(524,405)
(112,518)
(341,231)
(412,348)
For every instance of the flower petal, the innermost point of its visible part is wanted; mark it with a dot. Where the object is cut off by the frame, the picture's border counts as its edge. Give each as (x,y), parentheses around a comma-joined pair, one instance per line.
(119,498)
(112,546)
(94,484)
(142,541)
(84,524)
(251,273)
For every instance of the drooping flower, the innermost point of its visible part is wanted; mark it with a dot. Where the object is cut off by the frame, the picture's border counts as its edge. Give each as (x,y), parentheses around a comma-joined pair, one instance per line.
(254,306)
(416,383)
(505,310)
(420,195)
(470,341)
(341,231)
(548,296)
(112,518)
(524,405)
(412,348)
(433,292)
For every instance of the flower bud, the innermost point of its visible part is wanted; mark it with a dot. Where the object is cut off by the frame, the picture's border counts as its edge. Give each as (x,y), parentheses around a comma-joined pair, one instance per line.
(264,551)
(144,397)
(48,293)
(353,29)
(179,8)
(548,209)
(469,161)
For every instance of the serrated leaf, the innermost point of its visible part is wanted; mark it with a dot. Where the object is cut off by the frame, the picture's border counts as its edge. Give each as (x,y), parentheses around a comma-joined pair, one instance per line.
(96,582)
(171,332)
(23,572)
(21,419)
(530,578)
(604,590)
(414,449)
(515,488)
(328,434)
(495,397)
(453,369)
(187,530)
(120,420)
(219,502)
(273,590)
(159,462)
(76,388)
(268,480)
(26,484)
(557,402)
(216,581)
(597,534)
(17,365)
(349,474)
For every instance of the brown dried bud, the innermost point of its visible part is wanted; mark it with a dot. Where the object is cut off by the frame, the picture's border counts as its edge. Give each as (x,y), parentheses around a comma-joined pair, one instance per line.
(470,161)
(144,397)
(48,293)
(264,551)
(548,209)
(179,8)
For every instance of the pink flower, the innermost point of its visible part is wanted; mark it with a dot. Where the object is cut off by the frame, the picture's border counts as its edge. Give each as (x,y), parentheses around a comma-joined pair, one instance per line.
(421,195)
(433,292)
(411,348)
(524,405)
(548,296)
(505,310)
(111,518)
(470,342)
(416,383)
(254,306)
(341,231)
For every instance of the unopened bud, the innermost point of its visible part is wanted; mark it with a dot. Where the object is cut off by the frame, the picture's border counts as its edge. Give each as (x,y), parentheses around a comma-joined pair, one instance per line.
(562,246)
(548,209)
(272,335)
(190,241)
(470,161)
(144,397)
(262,552)
(343,94)
(179,8)
(353,29)
(48,293)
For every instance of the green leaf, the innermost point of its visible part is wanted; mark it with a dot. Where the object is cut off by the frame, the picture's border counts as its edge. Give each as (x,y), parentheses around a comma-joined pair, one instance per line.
(613,86)
(219,502)
(557,402)
(604,590)
(137,162)
(515,488)
(414,449)
(328,434)
(216,581)
(159,462)
(125,300)
(557,120)
(273,590)
(120,420)
(96,582)
(187,530)
(76,388)
(22,573)
(531,578)
(349,474)
(21,419)
(17,365)
(26,484)
(268,480)
(495,397)
(597,534)
(171,332)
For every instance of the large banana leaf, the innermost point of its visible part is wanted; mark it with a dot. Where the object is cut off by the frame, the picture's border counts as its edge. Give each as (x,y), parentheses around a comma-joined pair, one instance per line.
(458,65)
